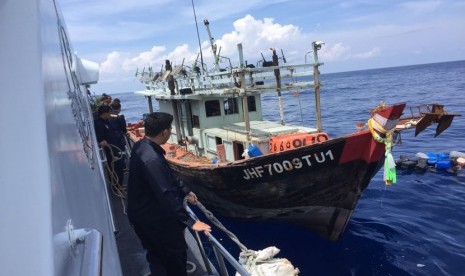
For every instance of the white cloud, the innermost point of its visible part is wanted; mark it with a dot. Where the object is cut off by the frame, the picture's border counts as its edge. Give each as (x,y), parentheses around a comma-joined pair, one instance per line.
(256,35)
(370,54)
(112,64)
(179,54)
(340,52)
(146,58)
(334,52)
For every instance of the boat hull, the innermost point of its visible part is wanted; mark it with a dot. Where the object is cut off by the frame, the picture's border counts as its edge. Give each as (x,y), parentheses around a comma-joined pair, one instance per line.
(315,186)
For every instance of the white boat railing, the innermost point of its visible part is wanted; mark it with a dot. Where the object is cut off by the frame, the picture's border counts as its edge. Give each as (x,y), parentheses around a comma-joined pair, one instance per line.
(228,79)
(220,253)
(86,243)
(92,253)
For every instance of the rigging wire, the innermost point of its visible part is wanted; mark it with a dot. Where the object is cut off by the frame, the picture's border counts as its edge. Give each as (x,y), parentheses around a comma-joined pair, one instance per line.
(198,36)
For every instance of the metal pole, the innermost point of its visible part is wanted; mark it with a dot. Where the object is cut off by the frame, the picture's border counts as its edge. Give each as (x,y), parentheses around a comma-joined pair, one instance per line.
(234,263)
(220,260)
(202,253)
(212,45)
(277,74)
(316,83)
(107,195)
(198,37)
(149,99)
(245,103)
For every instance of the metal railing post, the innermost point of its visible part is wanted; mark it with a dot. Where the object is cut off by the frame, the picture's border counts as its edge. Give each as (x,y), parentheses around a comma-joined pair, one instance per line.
(220,260)
(203,254)
(220,252)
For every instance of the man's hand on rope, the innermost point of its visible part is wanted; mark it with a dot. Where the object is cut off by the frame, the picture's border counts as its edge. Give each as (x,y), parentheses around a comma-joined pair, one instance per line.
(192,198)
(104,143)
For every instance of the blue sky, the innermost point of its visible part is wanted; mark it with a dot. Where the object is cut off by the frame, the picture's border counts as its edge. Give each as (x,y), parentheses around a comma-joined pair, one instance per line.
(123,35)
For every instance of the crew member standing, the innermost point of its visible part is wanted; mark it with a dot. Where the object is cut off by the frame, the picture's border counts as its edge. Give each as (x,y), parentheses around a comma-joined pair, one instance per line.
(102,129)
(154,201)
(106,139)
(118,128)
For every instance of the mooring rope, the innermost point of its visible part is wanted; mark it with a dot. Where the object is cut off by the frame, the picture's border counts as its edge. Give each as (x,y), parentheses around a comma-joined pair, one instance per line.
(116,187)
(215,221)
(250,259)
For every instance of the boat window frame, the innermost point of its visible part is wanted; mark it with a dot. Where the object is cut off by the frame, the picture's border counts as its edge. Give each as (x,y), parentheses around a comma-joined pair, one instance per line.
(252,103)
(231,102)
(211,143)
(212,110)
(195,121)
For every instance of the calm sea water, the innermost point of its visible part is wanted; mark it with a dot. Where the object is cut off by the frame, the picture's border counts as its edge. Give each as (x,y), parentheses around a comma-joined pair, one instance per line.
(414,227)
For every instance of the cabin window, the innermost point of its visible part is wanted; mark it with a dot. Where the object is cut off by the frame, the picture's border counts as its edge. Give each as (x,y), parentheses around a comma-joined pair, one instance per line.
(228,147)
(251,103)
(230,106)
(195,121)
(211,143)
(212,108)
(238,148)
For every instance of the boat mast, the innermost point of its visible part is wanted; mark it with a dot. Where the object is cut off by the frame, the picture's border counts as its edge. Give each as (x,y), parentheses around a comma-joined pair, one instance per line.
(245,103)
(277,74)
(174,103)
(212,44)
(149,100)
(316,45)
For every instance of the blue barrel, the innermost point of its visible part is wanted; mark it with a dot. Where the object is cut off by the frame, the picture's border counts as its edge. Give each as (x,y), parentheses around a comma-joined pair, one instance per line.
(443,156)
(443,165)
(254,151)
(432,158)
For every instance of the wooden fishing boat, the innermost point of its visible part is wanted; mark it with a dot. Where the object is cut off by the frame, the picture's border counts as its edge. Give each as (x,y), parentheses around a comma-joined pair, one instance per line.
(244,167)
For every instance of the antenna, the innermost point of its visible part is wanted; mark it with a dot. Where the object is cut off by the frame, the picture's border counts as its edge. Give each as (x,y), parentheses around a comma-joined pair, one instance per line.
(212,44)
(198,36)
(284,58)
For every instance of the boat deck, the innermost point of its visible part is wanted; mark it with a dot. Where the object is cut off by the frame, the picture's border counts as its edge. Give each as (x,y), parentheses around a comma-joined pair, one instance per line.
(268,128)
(181,156)
(260,131)
(131,253)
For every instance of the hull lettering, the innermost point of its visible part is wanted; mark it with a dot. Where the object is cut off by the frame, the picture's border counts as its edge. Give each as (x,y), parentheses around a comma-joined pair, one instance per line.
(287,165)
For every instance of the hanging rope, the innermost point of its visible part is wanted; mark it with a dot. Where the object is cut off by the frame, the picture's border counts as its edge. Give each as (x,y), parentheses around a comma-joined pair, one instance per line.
(117,189)
(215,221)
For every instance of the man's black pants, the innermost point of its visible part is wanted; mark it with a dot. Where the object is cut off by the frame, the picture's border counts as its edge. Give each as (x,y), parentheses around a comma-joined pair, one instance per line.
(166,246)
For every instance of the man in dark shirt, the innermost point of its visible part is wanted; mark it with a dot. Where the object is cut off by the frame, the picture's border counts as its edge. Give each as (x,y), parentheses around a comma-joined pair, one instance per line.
(106,138)
(118,129)
(154,201)
(118,124)
(102,129)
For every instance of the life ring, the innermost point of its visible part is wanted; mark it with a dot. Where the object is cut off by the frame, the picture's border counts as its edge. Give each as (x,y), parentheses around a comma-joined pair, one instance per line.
(296,140)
